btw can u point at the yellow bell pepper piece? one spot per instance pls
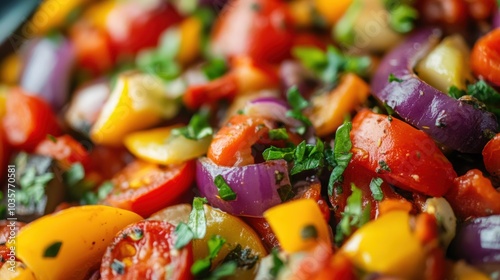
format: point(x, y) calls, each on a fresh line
point(52, 14)
point(137, 102)
point(83, 234)
point(10, 68)
point(330, 109)
point(387, 246)
point(159, 146)
point(332, 12)
point(190, 30)
point(298, 225)
point(302, 12)
point(17, 271)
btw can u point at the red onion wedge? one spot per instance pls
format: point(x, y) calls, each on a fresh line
point(456, 124)
point(478, 241)
point(496, 19)
point(256, 185)
point(47, 69)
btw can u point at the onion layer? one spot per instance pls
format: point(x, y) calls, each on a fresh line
point(256, 185)
point(456, 124)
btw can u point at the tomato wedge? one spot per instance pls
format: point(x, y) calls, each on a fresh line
point(400, 154)
point(28, 120)
point(491, 156)
point(145, 250)
point(485, 57)
point(232, 144)
point(145, 187)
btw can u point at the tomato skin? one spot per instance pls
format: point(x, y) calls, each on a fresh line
point(473, 195)
point(146, 248)
point(65, 149)
point(132, 28)
point(263, 229)
point(146, 188)
point(491, 156)
point(414, 161)
point(28, 120)
point(447, 12)
point(485, 57)
point(231, 146)
point(261, 29)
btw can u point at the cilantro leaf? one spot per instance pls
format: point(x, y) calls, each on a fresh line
point(375, 184)
point(353, 216)
point(225, 191)
point(342, 154)
point(198, 127)
point(196, 227)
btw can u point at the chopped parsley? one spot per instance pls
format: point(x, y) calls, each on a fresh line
point(286, 193)
point(402, 15)
point(375, 185)
point(393, 78)
point(341, 155)
point(225, 191)
point(278, 134)
point(304, 156)
point(214, 68)
point(74, 174)
point(330, 64)
point(455, 92)
point(309, 232)
point(242, 257)
point(198, 127)
point(201, 268)
point(91, 197)
point(483, 96)
point(298, 104)
point(278, 264)
point(52, 138)
point(32, 186)
point(354, 216)
point(383, 166)
point(52, 250)
point(196, 227)
point(390, 110)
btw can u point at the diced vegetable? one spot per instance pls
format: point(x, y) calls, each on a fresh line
point(298, 225)
point(387, 246)
point(491, 156)
point(485, 57)
point(70, 243)
point(138, 101)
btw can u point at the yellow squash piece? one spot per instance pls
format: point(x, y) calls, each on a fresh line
point(292, 222)
point(387, 246)
point(447, 65)
point(332, 12)
point(82, 234)
point(160, 146)
point(138, 101)
point(329, 110)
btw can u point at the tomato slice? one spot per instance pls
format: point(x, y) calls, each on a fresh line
point(485, 57)
point(145, 250)
point(400, 154)
point(261, 29)
point(28, 120)
point(64, 149)
point(145, 187)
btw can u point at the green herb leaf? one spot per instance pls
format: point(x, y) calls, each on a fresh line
point(286, 193)
point(456, 92)
point(393, 78)
point(225, 191)
point(244, 258)
point(383, 166)
point(298, 103)
point(184, 235)
point(198, 127)
point(91, 198)
point(32, 186)
point(214, 68)
point(309, 232)
point(52, 250)
point(402, 18)
point(278, 134)
point(52, 138)
point(197, 220)
point(74, 174)
point(273, 153)
point(202, 266)
point(353, 216)
point(277, 263)
point(377, 193)
point(342, 154)
point(224, 270)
